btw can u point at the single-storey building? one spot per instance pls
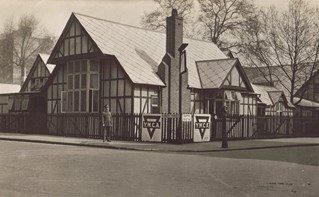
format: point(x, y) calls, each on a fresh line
point(96, 62)
point(306, 93)
point(272, 102)
point(135, 70)
point(31, 96)
point(5, 91)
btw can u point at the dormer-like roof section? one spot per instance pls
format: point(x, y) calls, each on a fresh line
point(218, 74)
point(270, 95)
point(213, 73)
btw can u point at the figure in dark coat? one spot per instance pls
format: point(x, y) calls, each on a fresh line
point(107, 123)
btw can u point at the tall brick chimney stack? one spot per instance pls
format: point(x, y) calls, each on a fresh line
point(174, 33)
point(169, 69)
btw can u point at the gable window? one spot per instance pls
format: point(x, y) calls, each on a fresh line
point(82, 94)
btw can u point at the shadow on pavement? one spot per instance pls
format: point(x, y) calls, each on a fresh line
point(307, 155)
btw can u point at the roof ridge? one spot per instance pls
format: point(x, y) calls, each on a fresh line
point(142, 28)
point(216, 60)
point(101, 19)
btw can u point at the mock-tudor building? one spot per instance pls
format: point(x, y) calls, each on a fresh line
point(135, 70)
point(306, 93)
point(272, 101)
point(31, 97)
point(5, 91)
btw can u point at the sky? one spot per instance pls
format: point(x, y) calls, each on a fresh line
point(53, 14)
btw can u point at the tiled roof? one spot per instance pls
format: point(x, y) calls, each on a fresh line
point(45, 58)
point(140, 51)
point(263, 91)
point(212, 73)
point(9, 88)
point(275, 95)
point(269, 95)
point(280, 78)
point(306, 103)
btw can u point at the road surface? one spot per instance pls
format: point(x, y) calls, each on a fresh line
point(29, 169)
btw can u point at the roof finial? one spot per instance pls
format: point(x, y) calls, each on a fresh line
point(174, 12)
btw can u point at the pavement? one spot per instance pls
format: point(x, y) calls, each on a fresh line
point(214, 146)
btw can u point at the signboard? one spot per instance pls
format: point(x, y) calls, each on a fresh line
point(152, 127)
point(187, 117)
point(202, 127)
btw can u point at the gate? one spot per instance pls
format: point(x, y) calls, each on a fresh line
point(171, 131)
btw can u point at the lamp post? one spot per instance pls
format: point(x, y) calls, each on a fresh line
point(224, 134)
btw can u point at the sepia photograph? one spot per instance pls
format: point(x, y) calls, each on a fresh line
point(121, 98)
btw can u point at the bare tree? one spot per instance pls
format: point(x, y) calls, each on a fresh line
point(223, 18)
point(155, 20)
point(27, 40)
point(6, 52)
point(284, 46)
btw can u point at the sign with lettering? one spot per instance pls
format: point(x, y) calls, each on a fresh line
point(152, 127)
point(202, 127)
point(187, 117)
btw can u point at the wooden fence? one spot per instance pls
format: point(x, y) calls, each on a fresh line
point(125, 126)
point(245, 127)
point(171, 131)
point(128, 126)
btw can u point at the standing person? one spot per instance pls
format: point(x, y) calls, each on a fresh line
point(107, 123)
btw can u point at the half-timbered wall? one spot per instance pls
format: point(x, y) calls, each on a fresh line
point(146, 99)
point(237, 103)
point(279, 109)
point(116, 88)
point(55, 90)
point(75, 42)
point(37, 78)
point(248, 104)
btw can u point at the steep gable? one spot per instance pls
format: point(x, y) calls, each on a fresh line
point(74, 40)
point(38, 75)
point(222, 73)
point(235, 79)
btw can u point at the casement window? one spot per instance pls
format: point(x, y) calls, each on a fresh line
point(82, 94)
point(155, 104)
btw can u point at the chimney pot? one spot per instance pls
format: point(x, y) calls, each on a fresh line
point(174, 12)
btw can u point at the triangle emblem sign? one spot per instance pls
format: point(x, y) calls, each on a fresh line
point(151, 123)
point(202, 124)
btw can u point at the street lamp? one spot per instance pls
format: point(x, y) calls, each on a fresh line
point(224, 134)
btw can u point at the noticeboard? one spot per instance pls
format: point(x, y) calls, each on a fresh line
point(187, 117)
point(152, 127)
point(202, 124)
